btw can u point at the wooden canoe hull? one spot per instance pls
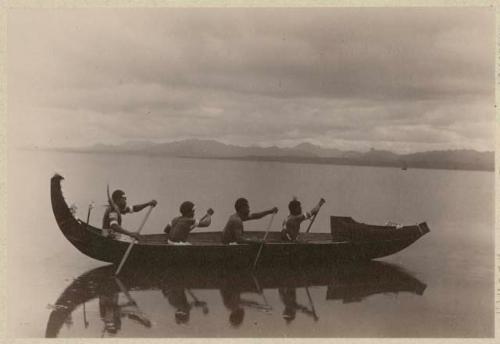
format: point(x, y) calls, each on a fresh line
point(207, 248)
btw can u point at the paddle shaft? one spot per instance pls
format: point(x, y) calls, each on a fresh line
point(125, 256)
point(264, 241)
point(311, 304)
point(321, 202)
point(88, 215)
point(259, 289)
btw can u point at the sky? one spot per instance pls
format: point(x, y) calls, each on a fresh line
point(401, 79)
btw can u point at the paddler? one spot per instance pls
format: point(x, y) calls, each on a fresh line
point(180, 227)
point(233, 231)
point(112, 219)
point(291, 225)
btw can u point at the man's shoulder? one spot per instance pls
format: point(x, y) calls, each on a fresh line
point(299, 217)
point(127, 210)
point(109, 209)
point(234, 219)
point(182, 220)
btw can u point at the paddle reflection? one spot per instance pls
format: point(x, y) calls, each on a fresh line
point(289, 298)
point(239, 292)
point(177, 298)
point(112, 310)
point(231, 291)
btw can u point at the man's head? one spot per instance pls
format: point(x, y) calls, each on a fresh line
point(242, 207)
point(236, 317)
point(295, 207)
point(187, 209)
point(119, 198)
point(289, 314)
point(181, 316)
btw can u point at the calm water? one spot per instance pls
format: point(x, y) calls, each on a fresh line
point(441, 286)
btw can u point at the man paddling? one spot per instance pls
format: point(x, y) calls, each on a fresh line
point(180, 227)
point(112, 219)
point(291, 225)
point(233, 231)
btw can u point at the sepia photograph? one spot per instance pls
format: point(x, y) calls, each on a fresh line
point(232, 171)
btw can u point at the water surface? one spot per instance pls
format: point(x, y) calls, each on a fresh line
point(447, 288)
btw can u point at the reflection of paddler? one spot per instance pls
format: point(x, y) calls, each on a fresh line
point(176, 296)
point(289, 298)
point(110, 312)
point(231, 297)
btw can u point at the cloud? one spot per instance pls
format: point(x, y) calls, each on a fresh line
point(371, 75)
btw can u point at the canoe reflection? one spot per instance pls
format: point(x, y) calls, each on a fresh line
point(239, 290)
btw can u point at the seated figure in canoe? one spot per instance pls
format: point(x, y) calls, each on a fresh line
point(233, 231)
point(178, 230)
point(291, 225)
point(112, 219)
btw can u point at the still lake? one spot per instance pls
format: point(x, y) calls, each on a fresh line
point(441, 286)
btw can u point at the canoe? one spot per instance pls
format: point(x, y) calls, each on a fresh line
point(343, 283)
point(348, 240)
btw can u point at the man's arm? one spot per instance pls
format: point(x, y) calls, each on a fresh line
point(205, 220)
point(255, 216)
point(240, 239)
point(117, 228)
point(139, 207)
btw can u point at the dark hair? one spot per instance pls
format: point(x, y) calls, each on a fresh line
point(236, 317)
point(117, 194)
point(181, 317)
point(240, 203)
point(186, 208)
point(289, 314)
point(294, 207)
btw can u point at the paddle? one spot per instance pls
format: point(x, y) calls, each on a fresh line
point(316, 318)
point(198, 303)
point(91, 206)
point(209, 213)
point(85, 322)
point(321, 202)
point(264, 241)
point(125, 256)
point(138, 315)
point(260, 291)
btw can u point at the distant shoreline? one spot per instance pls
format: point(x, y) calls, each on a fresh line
point(431, 165)
point(347, 162)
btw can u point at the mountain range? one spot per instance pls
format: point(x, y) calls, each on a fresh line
point(465, 159)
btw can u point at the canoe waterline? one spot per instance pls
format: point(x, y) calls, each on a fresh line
point(207, 248)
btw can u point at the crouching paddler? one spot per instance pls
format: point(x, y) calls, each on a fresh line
point(180, 227)
point(112, 219)
point(233, 231)
point(291, 225)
